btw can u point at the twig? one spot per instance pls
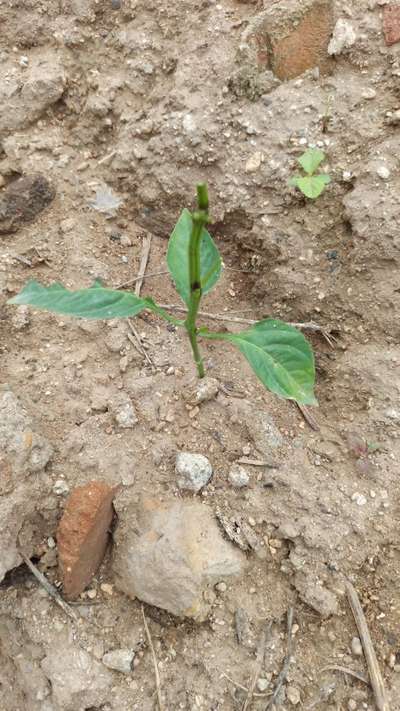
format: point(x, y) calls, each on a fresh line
point(139, 344)
point(243, 688)
point(308, 417)
point(257, 463)
point(377, 682)
point(143, 262)
point(138, 278)
point(106, 158)
point(50, 589)
point(286, 662)
point(23, 260)
point(345, 670)
point(259, 663)
point(153, 654)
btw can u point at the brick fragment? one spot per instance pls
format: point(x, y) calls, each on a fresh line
point(82, 534)
point(391, 23)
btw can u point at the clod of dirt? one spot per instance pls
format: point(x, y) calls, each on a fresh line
point(193, 470)
point(82, 534)
point(167, 554)
point(78, 681)
point(23, 201)
point(22, 452)
point(391, 23)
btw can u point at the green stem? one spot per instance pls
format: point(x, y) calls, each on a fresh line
point(199, 220)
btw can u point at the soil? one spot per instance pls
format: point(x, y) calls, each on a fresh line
point(148, 99)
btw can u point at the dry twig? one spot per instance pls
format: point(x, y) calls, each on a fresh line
point(138, 278)
point(308, 417)
point(153, 654)
point(258, 463)
point(50, 589)
point(139, 344)
point(345, 670)
point(143, 262)
point(286, 662)
point(259, 663)
point(374, 671)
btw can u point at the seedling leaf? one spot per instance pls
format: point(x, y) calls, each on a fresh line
point(311, 159)
point(178, 258)
point(93, 303)
point(281, 358)
point(312, 185)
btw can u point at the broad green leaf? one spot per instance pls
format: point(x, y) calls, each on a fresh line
point(178, 258)
point(311, 159)
point(280, 356)
point(93, 303)
point(313, 185)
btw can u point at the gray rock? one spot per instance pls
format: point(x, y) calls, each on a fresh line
point(238, 476)
point(119, 660)
point(78, 680)
point(22, 452)
point(193, 470)
point(170, 554)
point(343, 37)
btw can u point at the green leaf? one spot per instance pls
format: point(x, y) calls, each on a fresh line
point(311, 159)
point(178, 258)
point(280, 356)
point(313, 185)
point(93, 303)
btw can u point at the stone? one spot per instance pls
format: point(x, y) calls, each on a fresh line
point(23, 200)
point(238, 476)
point(356, 647)
point(60, 487)
point(124, 414)
point(193, 470)
point(293, 695)
point(21, 318)
point(119, 660)
point(289, 37)
point(262, 684)
point(25, 97)
point(343, 37)
point(391, 23)
point(383, 172)
point(23, 452)
point(82, 534)
point(169, 554)
point(78, 680)
point(206, 389)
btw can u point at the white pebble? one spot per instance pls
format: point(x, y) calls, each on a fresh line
point(356, 647)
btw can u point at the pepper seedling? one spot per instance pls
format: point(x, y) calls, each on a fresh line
point(311, 184)
point(278, 353)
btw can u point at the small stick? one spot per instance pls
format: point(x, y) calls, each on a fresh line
point(257, 463)
point(50, 589)
point(143, 262)
point(345, 670)
point(375, 675)
point(153, 654)
point(106, 158)
point(286, 662)
point(308, 417)
point(243, 688)
point(259, 662)
point(140, 346)
point(138, 278)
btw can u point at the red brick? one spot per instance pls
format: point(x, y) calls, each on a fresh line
point(391, 23)
point(83, 533)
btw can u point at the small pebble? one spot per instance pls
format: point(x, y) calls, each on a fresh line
point(238, 476)
point(359, 499)
point(119, 660)
point(293, 695)
point(91, 594)
point(221, 587)
point(262, 684)
point(352, 705)
point(383, 172)
point(51, 542)
point(107, 588)
point(356, 647)
point(60, 487)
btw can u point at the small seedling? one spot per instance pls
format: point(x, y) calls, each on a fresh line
point(278, 353)
point(311, 184)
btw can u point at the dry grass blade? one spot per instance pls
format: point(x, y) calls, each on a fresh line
point(143, 262)
point(308, 417)
point(50, 589)
point(377, 682)
point(153, 654)
point(138, 278)
point(258, 463)
point(138, 344)
point(259, 663)
point(345, 670)
point(286, 662)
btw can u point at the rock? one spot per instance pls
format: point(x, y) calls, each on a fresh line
point(119, 660)
point(289, 37)
point(343, 37)
point(293, 695)
point(82, 534)
point(317, 596)
point(21, 318)
point(356, 647)
point(61, 487)
point(391, 23)
point(78, 681)
point(22, 452)
point(23, 200)
point(24, 98)
point(262, 684)
point(206, 389)
point(124, 413)
point(383, 172)
point(194, 471)
point(169, 554)
point(254, 162)
point(238, 476)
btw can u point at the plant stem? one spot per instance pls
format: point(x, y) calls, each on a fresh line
point(199, 220)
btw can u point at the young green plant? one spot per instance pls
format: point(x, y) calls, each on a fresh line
point(311, 184)
point(278, 353)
